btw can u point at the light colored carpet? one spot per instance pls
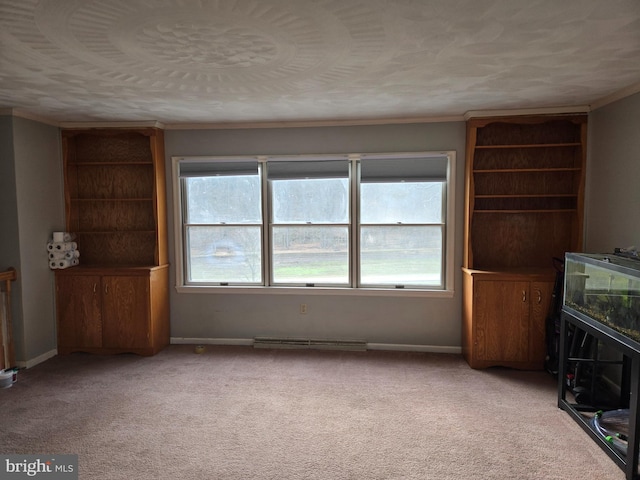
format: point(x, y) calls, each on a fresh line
point(240, 413)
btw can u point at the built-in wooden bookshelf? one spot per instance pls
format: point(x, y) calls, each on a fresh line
point(117, 299)
point(524, 206)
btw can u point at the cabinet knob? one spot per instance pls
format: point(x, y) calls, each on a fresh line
point(524, 295)
point(539, 296)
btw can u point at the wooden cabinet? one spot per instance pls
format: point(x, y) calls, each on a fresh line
point(117, 299)
point(504, 319)
point(523, 206)
point(112, 310)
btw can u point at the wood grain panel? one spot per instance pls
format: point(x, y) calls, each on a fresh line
point(126, 312)
point(116, 146)
point(122, 181)
point(540, 304)
point(79, 315)
point(117, 248)
point(526, 158)
point(501, 321)
point(523, 131)
point(526, 183)
point(468, 337)
point(160, 308)
point(520, 240)
point(104, 216)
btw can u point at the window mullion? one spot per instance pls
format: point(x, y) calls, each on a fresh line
point(184, 203)
point(266, 222)
point(354, 228)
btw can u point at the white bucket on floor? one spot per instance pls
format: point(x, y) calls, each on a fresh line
point(8, 378)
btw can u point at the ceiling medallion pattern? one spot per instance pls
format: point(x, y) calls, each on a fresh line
point(216, 47)
point(197, 57)
point(207, 46)
point(286, 60)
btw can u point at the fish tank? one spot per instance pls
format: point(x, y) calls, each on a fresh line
point(605, 288)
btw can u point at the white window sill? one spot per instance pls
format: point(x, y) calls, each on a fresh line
point(355, 292)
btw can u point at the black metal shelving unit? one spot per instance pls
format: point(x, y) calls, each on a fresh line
point(630, 394)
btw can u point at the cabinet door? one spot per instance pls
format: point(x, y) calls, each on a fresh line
point(79, 311)
point(540, 303)
point(502, 321)
point(125, 305)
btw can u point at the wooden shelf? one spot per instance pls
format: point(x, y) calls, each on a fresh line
point(112, 232)
point(104, 163)
point(534, 145)
point(549, 210)
point(524, 206)
point(527, 170)
point(142, 199)
point(533, 195)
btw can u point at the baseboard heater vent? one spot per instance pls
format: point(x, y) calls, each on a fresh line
point(300, 343)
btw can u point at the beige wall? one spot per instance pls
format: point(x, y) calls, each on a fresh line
point(34, 207)
point(613, 177)
point(376, 319)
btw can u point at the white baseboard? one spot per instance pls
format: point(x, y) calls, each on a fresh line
point(399, 347)
point(211, 341)
point(370, 346)
point(39, 359)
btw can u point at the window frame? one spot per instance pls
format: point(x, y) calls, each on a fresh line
point(240, 166)
point(448, 246)
point(302, 172)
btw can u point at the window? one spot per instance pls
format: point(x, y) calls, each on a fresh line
point(369, 221)
point(402, 203)
point(222, 221)
point(309, 222)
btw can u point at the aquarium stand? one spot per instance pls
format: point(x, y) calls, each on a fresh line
point(630, 350)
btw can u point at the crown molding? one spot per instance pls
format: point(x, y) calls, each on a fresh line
point(569, 110)
point(311, 123)
point(16, 112)
point(81, 125)
point(614, 97)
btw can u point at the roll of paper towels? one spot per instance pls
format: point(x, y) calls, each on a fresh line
point(60, 237)
point(71, 254)
point(64, 263)
point(62, 246)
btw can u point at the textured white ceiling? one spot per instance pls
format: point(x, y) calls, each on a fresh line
point(190, 61)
